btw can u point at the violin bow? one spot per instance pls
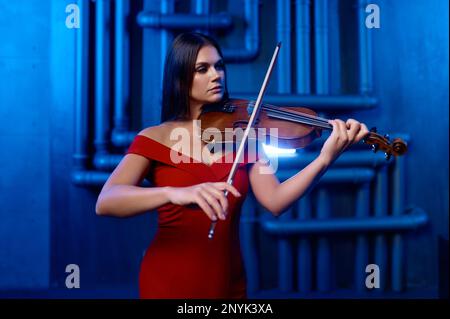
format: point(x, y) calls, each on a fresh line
point(253, 118)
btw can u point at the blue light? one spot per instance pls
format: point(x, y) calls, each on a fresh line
point(272, 151)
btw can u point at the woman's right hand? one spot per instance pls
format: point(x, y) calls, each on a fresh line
point(209, 196)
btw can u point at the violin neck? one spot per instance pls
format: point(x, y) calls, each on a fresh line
point(307, 119)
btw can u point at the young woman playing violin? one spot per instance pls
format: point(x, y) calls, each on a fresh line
point(181, 261)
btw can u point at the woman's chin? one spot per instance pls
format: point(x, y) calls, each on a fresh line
point(214, 99)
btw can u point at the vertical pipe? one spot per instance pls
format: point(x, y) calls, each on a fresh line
point(200, 7)
point(303, 59)
point(365, 51)
point(152, 61)
point(82, 87)
point(248, 235)
point(362, 243)
point(286, 260)
point(167, 6)
point(251, 13)
point(122, 66)
point(397, 240)
point(381, 207)
point(323, 244)
point(102, 17)
point(321, 45)
point(335, 48)
point(304, 249)
point(284, 35)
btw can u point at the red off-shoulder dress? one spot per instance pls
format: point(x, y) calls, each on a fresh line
point(181, 262)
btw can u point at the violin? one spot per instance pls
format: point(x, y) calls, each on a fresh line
point(297, 127)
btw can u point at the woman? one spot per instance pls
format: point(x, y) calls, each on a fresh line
point(182, 262)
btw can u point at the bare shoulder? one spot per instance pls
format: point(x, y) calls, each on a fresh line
point(159, 133)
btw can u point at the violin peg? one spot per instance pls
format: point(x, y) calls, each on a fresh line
point(386, 136)
point(387, 156)
point(373, 129)
point(375, 148)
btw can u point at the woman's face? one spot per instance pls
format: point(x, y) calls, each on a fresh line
point(209, 77)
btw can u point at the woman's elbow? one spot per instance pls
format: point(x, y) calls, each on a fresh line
point(274, 210)
point(100, 209)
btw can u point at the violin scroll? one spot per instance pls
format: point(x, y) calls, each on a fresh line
point(397, 147)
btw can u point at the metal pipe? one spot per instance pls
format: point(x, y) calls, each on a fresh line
point(317, 102)
point(167, 8)
point(343, 226)
point(94, 178)
point(122, 67)
point(252, 45)
point(80, 155)
point(303, 31)
point(398, 263)
point(201, 7)
point(152, 70)
point(294, 163)
point(184, 21)
point(381, 208)
point(362, 243)
point(89, 178)
point(286, 261)
point(323, 275)
point(102, 16)
point(284, 31)
point(365, 51)
point(335, 47)
point(321, 45)
point(336, 176)
point(304, 258)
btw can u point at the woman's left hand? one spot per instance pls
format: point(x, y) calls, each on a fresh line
point(344, 134)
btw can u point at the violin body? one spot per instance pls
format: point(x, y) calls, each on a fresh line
point(296, 127)
point(236, 113)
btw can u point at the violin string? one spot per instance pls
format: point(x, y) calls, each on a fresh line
point(275, 108)
point(305, 115)
point(286, 115)
point(298, 119)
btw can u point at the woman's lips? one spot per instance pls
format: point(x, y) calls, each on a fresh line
point(216, 90)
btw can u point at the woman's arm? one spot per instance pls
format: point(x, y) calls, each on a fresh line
point(121, 197)
point(276, 196)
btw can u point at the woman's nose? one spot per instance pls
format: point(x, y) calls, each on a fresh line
point(215, 74)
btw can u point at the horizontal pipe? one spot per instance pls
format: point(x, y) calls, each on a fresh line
point(184, 21)
point(317, 102)
point(252, 45)
point(415, 219)
point(94, 178)
point(106, 162)
point(123, 139)
point(336, 175)
point(80, 155)
point(351, 158)
point(89, 178)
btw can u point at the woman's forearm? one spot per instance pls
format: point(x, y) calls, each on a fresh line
point(298, 185)
point(128, 200)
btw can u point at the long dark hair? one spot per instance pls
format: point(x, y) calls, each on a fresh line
point(179, 72)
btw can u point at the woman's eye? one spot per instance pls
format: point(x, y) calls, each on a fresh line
point(201, 70)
